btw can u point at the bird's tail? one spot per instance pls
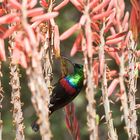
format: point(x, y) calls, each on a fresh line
point(35, 124)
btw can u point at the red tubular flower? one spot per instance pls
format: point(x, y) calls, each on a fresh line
point(61, 5)
point(77, 45)
point(9, 31)
point(9, 18)
point(113, 54)
point(101, 6)
point(44, 17)
point(93, 3)
point(56, 41)
point(102, 15)
point(112, 86)
point(125, 20)
point(2, 30)
point(31, 3)
point(114, 39)
point(35, 12)
point(2, 10)
point(15, 4)
point(77, 4)
point(72, 122)
point(44, 4)
point(110, 20)
point(70, 31)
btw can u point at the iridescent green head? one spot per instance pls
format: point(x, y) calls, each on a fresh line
point(78, 68)
point(76, 78)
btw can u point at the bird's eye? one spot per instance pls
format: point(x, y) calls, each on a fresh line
point(78, 66)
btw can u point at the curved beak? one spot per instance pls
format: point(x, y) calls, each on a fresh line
point(73, 64)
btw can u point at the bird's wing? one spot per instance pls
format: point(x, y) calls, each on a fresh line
point(58, 98)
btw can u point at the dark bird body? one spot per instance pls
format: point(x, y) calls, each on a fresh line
point(65, 90)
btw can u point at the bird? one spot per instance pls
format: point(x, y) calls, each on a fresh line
point(64, 91)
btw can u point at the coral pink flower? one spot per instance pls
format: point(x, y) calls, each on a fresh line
point(2, 50)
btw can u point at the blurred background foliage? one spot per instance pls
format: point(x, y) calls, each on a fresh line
point(67, 17)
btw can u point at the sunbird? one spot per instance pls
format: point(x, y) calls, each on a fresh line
point(65, 90)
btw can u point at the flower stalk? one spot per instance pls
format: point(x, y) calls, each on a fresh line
point(132, 86)
point(1, 99)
